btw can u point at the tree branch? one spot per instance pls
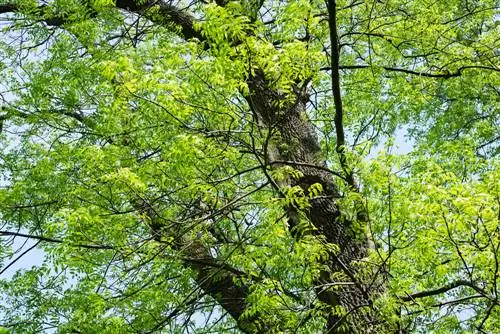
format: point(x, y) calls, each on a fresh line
point(166, 15)
point(441, 290)
point(4, 269)
point(444, 75)
point(337, 96)
point(304, 164)
point(53, 240)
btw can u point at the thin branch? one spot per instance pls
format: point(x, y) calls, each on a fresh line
point(444, 75)
point(53, 240)
point(449, 302)
point(442, 290)
point(304, 164)
point(337, 96)
point(18, 258)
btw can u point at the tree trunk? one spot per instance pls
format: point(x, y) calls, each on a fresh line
point(302, 151)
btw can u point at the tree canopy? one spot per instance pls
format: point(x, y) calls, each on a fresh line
point(253, 166)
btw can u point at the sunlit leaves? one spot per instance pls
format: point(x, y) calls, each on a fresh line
point(130, 152)
point(437, 221)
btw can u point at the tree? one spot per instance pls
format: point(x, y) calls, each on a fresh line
point(232, 166)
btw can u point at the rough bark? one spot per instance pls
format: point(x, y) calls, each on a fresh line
point(303, 152)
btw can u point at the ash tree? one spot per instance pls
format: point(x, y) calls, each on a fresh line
point(249, 166)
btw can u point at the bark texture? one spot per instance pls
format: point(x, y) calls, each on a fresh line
point(303, 152)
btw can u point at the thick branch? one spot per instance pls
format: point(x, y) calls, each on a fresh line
point(216, 277)
point(167, 15)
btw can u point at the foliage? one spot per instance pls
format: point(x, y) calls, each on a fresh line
point(146, 149)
